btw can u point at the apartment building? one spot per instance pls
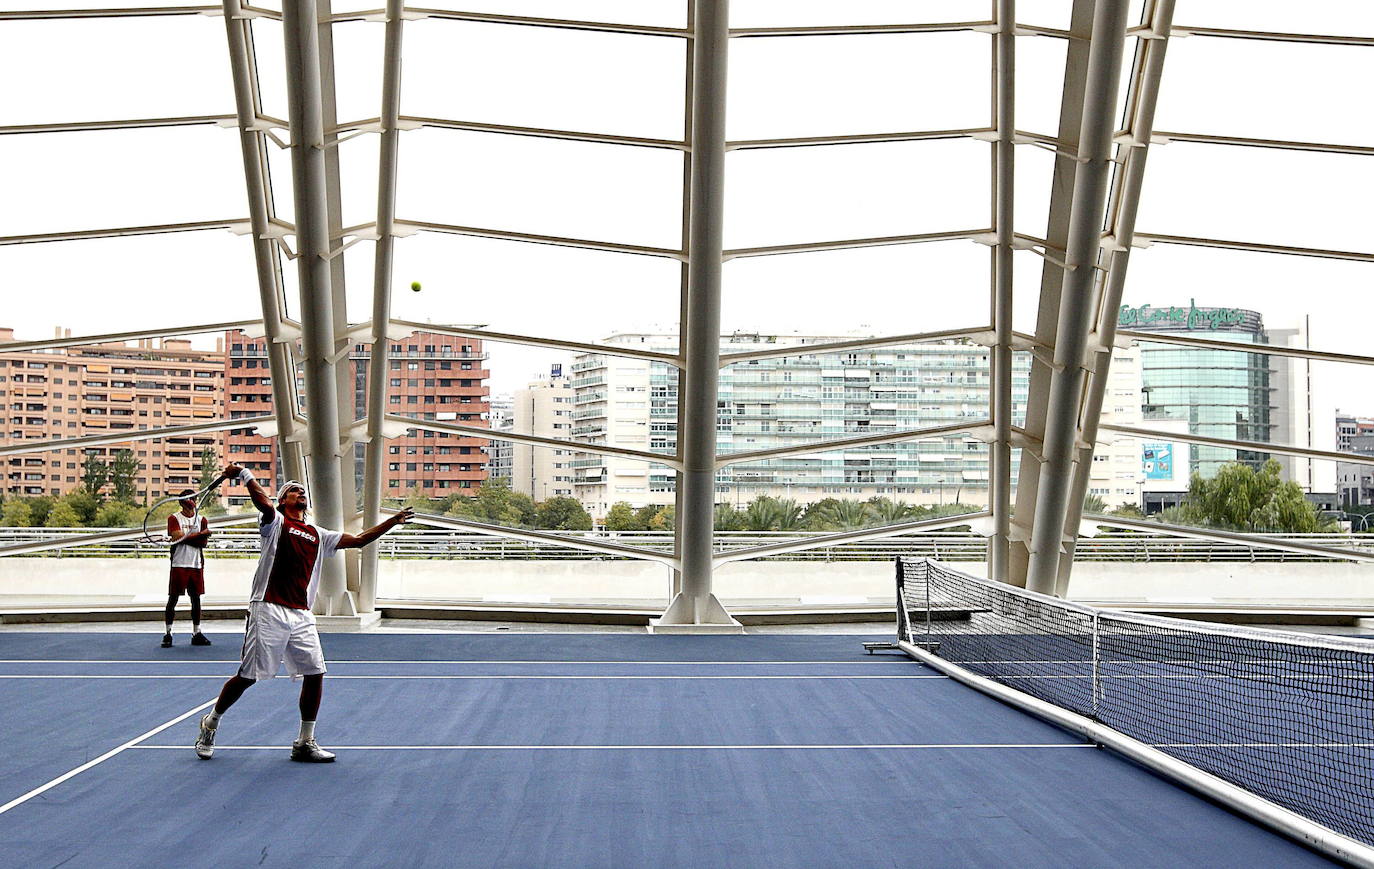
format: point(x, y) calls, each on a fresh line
point(543, 408)
point(100, 388)
point(430, 376)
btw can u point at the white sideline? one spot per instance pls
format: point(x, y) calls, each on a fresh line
point(104, 757)
point(812, 747)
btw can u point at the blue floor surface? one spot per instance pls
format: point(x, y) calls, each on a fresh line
point(517, 751)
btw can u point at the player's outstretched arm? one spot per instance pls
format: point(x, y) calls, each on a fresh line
point(255, 491)
point(357, 541)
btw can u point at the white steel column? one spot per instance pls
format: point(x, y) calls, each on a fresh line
point(695, 605)
point(1091, 178)
point(374, 451)
point(309, 185)
point(1003, 214)
point(1142, 98)
point(279, 357)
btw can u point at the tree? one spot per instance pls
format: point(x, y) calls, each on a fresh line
point(1240, 498)
point(887, 511)
point(621, 517)
point(728, 518)
point(83, 503)
point(644, 516)
point(95, 473)
point(40, 507)
point(63, 516)
point(562, 514)
point(209, 472)
point(118, 514)
point(832, 514)
point(124, 476)
point(1128, 511)
point(766, 513)
point(1094, 504)
point(663, 520)
point(496, 504)
point(16, 514)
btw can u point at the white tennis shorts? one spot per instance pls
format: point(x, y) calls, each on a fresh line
point(277, 634)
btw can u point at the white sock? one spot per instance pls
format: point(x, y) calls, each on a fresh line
point(196, 627)
point(212, 720)
point(307, 732)
point(169, 628)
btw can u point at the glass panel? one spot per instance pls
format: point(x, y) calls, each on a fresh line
point(1271, 90)
point(1326, 298)
point(108, 178)
point(122, 284)
point(833, 85)
point(124, 70)
point(591, 92)
point(855, 191)
point(1039, 81)
point(803, 13)
point(1338, 17)
point(532, 289)
point(1321, 210)
point(895, 290)
point(573, 189)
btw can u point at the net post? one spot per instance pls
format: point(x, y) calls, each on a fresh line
point(929, 638)
point(1097, 666)
point(903, 618)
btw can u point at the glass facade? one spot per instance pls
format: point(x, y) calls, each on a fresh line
point(1219, 393)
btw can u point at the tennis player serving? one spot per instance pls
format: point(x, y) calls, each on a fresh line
point(281, 627)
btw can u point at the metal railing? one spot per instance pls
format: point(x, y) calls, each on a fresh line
point(429, 543)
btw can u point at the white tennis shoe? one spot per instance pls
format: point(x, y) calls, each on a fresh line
point(205, 742)
point(310, 752)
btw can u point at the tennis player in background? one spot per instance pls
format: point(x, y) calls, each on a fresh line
point(281, 627)
point(189, 532)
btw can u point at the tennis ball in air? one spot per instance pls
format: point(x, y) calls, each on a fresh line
point(415, 286)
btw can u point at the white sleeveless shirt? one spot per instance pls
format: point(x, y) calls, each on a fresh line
point(184, 554)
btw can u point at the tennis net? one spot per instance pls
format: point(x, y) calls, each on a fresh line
point(1288, 717)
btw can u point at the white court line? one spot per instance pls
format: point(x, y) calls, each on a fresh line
point(104, 757)
point(472, 676)
point(822, 747)
point(618, 663)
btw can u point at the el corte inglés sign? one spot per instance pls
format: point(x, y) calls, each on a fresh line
point(1191, 317)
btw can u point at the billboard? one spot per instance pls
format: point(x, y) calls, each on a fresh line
point(1158, 461)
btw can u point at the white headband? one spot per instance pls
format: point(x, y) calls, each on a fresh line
point(290, 484)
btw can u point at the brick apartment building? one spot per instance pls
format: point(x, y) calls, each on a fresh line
point(98, 388)
point(438, 377)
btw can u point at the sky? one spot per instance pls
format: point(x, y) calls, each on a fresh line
point(124, 68)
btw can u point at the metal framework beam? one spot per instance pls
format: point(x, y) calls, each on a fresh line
point(1145, 239)
point(1003, 220)
point(415, 12)
point(79, 340)
point(857, 29)
point(1236, 346)
point(854, 139)
point(1228, 537)
point(267, 262)
point(887, 437)
point(132, 12)
point(89, 126)
point(536, 440)
point(1142, 97)
point(130, 435)
point(978, 334)
point(536, 132)
point(843, 537)
point(849, 244)
point(310, 188)
point(381, 296)
point(1091, 172)
point(557, 241)
point(114, 536)
point(525, 534)
point(1253, 446)
point(533, 341)
point(121, 231)
point(1164, 138)
point(695, 604)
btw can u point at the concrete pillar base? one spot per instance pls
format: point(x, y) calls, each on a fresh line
point(682, 617)
point(347, 624)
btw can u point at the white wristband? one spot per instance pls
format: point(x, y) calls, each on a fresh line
point(245, 476)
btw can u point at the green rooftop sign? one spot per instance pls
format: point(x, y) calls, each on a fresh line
point(1191, 317)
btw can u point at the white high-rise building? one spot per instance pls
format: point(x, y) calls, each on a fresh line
point(543, 408)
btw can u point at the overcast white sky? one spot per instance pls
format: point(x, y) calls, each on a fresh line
point(136, 68)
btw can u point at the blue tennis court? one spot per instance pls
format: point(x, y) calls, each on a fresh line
point(570, 750)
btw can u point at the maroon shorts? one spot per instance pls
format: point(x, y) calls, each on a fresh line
point(187, 580)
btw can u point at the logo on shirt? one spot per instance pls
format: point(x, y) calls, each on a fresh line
point(299, 533)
